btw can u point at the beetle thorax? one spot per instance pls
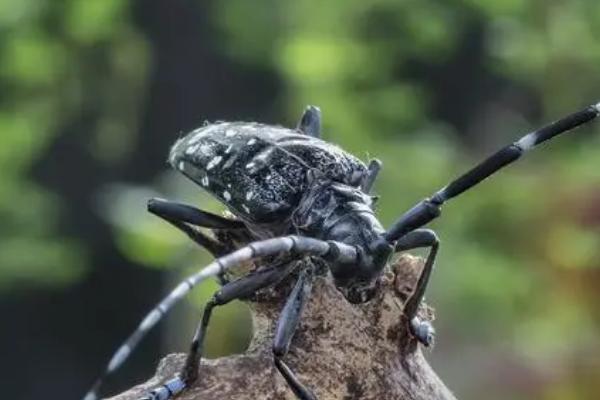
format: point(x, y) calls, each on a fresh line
point(338, 212)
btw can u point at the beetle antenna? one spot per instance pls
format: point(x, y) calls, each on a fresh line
point(429, 209)
point(296, 245)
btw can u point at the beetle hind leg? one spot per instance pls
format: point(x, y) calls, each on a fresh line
point(187, 218)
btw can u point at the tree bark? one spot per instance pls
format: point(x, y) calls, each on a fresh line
point(340, 351)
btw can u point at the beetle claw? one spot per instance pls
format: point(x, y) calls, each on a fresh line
point(423, 331)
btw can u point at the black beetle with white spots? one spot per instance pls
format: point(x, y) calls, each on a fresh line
point(294, 196)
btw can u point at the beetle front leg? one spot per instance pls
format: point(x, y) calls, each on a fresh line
point(422, 330)
point(238, 289)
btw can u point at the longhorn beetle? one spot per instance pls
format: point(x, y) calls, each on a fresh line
point(294, 195)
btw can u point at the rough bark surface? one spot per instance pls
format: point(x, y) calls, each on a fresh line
point(341, 351)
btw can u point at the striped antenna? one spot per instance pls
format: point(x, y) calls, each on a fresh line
point(270, 247)
point(429, 209)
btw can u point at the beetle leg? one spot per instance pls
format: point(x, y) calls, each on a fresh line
point(369, 179)
point(310, 122)
point(171, 210)
point(182, 216)
point(286, 327)
point(298, 246)
point(238, 289)
point(422, 330)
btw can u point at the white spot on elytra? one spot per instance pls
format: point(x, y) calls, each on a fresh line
point(204, 181)
point(191, 150)
point(205, 149)
point(265, 154)
point(214, 162)
point(226, 195)
point(251, 142)
point(249, 195)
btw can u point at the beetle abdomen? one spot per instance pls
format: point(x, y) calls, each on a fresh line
point(259, 171)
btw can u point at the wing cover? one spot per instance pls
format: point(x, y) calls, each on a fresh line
point(259, 171)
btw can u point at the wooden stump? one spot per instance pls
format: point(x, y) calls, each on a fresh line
point(340, 351)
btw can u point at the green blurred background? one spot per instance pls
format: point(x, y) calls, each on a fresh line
point(93, 92)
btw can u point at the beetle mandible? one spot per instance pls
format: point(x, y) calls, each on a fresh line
point(293, 194)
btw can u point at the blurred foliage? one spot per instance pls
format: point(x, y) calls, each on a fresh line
point(47, 51)
point(428, 87)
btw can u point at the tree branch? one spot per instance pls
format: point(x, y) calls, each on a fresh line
point(341, 351)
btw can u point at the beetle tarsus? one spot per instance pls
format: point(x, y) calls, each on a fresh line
point(423, 331)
